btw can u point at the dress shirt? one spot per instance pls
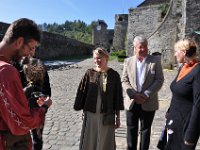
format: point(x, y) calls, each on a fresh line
point(140, 74)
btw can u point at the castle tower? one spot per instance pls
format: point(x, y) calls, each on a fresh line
point(121, 23)
point(98, 33)
point(101, 36)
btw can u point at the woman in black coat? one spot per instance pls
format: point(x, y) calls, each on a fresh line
point(99, 95)
point(183, 121)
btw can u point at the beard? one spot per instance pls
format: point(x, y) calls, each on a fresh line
point(17, 56)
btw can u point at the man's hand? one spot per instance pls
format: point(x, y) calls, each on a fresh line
point(139, 98)
point(144, 96)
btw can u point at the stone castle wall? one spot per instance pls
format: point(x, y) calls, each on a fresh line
point(164, 37)
point(56, 46)
point(141, 21)
point(101, 36)
point(192, 18)
point(121, 24)
point(181, 20)
point(160, 32)
point(3, 28)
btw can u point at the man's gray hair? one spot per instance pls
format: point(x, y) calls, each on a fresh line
point(139, 39)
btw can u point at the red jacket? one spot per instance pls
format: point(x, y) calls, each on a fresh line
point(15, 114)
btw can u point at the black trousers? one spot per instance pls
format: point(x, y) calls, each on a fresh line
point(134, 116)
point(37, 138)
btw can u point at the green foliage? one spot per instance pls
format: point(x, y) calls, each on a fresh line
point(112, 58)
point(76, 29)
point(121, 55)
point(120, 59)
point(83, 37)
point(163, 8)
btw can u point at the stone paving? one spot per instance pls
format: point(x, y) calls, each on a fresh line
point(63, 124)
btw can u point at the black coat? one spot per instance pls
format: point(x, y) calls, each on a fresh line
point(184, 114)
point(86, 97)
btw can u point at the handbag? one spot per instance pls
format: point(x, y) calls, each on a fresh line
point(109, 119)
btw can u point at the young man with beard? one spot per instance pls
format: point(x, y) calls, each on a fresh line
point(16, 118)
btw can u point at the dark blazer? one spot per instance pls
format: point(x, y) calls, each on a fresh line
point(86, 97)
point(152, 81)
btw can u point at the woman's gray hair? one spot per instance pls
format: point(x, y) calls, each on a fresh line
point(139, 39)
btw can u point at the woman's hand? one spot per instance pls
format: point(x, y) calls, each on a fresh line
point(188, 143)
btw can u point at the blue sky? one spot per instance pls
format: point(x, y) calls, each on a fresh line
point(59, 11)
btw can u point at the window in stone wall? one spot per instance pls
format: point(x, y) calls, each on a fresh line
point(120, 19)
point(110, 41)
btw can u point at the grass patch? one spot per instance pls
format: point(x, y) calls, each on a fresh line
point(112, 58)
point(120, 55)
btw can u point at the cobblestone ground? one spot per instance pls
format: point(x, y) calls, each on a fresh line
point(63, 124)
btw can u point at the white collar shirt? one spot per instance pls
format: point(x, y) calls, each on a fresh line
point(140, 74)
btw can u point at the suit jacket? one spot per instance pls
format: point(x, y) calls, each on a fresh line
point(152, 81)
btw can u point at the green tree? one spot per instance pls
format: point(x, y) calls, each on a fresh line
point(76, 29)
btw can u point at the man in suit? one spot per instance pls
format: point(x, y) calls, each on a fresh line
point(141, 80)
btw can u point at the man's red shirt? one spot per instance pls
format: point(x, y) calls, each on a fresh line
point(15, 114)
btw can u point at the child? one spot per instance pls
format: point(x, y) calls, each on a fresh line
point(34, 72)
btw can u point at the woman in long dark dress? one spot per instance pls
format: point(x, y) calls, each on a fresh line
point(183, 121)
point(100, 96)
